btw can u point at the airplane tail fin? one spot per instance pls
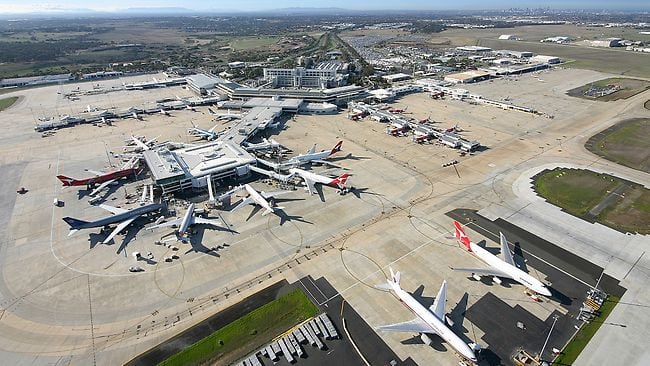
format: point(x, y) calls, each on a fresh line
point(336, 148)
point(461, 236)
point(394, 276)
point(67, 181)
point(75, 224)
point(341, 180)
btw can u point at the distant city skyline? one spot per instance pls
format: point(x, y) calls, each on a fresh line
point(13, 6)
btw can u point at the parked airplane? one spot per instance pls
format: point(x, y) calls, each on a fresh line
point(397, 110)
point(427, 321)
point(397, 129)
point(129, 168)
point(314, 157)
point(259, 198)
point(310, 157)
point(454, 128)
point(311, 179)
point(505, 267)
point(203, 134)
point(284, 178)
point(185, 222)
point(122, 217)
point(141, 144)
point(224, 116)
point(264, 145)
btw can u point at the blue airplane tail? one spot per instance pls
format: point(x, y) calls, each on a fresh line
point(75, 224)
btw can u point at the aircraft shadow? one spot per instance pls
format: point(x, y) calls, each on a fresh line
point(426, 301)
point(196, 243)
point(284, 217)
point(437, 343)
point(519, 258)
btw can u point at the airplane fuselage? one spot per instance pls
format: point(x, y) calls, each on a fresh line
point(98, 179)
point(258, 198)
point(122, 216)
point(437, 325)
point(187, 221)
point(512, 271)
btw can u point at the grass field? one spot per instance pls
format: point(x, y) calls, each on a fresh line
point(7, 102)
point(576, 191)
point(581, 192)
point(628, 88)
point(243, 335)
point(249, 43)
point(626, 143)
point(572, 350)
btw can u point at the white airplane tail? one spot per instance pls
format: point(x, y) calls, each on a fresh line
point(390, 282)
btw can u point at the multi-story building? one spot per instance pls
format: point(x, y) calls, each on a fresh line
point(301, 77)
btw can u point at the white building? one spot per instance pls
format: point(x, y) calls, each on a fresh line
point(545, 59)
point(301, 77)
point(508, 37)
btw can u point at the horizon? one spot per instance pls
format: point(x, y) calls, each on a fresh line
point(251, 6)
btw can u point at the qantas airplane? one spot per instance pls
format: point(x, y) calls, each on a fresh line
point(311, 179)
point(184, 223)
point(427, 321)
point(505, 268)
point(104, 179)
point(314, 157)
point(259, 198)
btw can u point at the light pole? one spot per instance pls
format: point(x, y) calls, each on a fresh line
point(555, 317)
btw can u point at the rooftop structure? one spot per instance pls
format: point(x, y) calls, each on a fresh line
point(609, 42)
point(473, 49)
point(396, 77)
point(515, 54)
point(208, 84)
point(338, 96)
point(558, 39)
point(36, 80)
point(469, 76)
point(508, 37)
point(545, 59)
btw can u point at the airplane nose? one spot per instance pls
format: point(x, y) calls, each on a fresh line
point(545, 291)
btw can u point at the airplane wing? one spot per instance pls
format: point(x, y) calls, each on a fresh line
point(483, 271)
point(438, 307)
point(202, 221)
point(416, 325)
point(166, 224)
point(113, 210)
point(95, 172)
point(119, 228)
point(268, 195)
point(310, 185)
point(101, 186)
point(244, 202)
point(140, 144)
point(325, 162)
point(505, 250)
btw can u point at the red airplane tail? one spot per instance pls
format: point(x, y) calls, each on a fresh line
point(67, 181)
point(461, 236)
point(340, 181)
point(336, 148)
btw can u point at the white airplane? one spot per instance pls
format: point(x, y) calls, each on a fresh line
point(184, 223)
point(505, 268)
point(427, 321)
point(224, 116)
point(311, 179)
point(284, 178)
point(203, 134)
point(259, 198)
point(264, 145)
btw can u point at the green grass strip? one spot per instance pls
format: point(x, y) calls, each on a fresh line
point(7, 102)
point(572, 350)
point(251, 330)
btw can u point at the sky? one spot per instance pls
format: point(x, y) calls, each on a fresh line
point(13, 6)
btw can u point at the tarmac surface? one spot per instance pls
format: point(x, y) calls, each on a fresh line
point(71, 300)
